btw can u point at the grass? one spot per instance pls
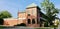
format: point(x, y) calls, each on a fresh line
point(2, 27)
point(44, 28)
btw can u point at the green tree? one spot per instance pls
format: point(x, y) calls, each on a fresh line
point(5, 14)
point(50, 10)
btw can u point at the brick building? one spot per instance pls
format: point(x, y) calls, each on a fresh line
point(30, 18)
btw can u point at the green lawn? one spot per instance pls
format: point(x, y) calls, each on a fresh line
point(1, 27)
point(5, 26)
point(45, 28)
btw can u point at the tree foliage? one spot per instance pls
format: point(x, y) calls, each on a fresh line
point(49, 7)
point(5, 14)
point(50, 10)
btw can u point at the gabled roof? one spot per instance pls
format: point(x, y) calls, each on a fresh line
point(32, 5)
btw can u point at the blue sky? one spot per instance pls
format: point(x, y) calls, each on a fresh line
point(13, 5)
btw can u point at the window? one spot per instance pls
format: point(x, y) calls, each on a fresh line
point(28, 14)
point(29, 21)
point(33, 21)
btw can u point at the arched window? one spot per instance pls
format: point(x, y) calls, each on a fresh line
point(29, 21)
point(33, 21)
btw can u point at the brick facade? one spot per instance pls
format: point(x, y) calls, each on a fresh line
point(31, 17)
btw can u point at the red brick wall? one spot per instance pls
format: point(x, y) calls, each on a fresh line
point(10, 22)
